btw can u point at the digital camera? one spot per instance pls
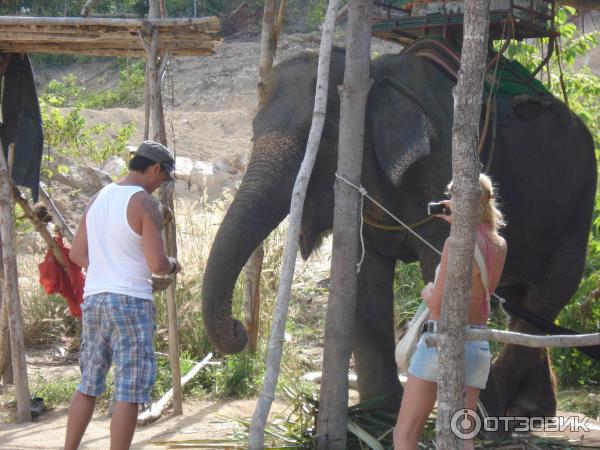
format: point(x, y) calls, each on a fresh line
point(437, 208)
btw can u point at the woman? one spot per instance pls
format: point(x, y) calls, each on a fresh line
point(420, 391)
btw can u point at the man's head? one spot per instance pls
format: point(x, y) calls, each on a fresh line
point(150, 153)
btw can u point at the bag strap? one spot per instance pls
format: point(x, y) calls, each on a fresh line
point(484, 274)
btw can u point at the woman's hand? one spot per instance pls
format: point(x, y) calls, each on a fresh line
point(427, 292)
point(447, 217)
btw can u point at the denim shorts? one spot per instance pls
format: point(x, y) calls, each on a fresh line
point(424, 362)
point(118, 328)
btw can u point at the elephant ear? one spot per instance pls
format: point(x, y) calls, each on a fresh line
point(402, 131)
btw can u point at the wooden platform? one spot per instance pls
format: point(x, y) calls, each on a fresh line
point(107, 36)
point(515, 22)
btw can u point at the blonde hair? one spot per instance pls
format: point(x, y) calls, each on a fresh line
point(489, 212)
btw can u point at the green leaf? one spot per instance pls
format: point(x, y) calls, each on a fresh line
point(364, 436)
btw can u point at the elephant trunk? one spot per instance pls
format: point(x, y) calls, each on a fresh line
point(261, 203)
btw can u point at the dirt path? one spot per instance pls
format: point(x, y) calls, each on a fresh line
point(201, 420)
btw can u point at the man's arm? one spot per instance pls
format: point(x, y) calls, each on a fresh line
point(152, 240)
point(79, 249)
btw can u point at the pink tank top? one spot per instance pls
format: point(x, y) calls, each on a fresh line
point(483, 228)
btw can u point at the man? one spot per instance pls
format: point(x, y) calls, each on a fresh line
point(119, 242)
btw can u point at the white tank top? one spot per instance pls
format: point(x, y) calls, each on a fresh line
point(117, 261)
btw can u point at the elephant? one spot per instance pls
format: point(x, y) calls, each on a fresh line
point(543, 165)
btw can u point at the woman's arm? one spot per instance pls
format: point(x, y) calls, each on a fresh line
point(433, 293)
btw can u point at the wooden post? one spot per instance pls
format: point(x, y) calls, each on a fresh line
point(333, 406)
point(11, 295)
point(252, 297)
point(4, 337)
point(154, 69)
point(259, 419)
point(466, 193)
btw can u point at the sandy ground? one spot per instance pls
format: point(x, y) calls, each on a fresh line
point(200, 420)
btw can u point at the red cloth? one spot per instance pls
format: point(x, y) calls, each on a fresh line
point(55, 280)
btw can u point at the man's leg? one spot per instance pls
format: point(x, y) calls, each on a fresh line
point(80, 413)
point(122, 425)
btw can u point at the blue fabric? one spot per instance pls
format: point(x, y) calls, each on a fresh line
point(118, 328)
point(424, 362)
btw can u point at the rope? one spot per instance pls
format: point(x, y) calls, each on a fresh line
point(364, 194)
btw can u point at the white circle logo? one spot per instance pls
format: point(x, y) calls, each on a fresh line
point(465, 423)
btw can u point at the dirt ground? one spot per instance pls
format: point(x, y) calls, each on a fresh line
point(200, 420)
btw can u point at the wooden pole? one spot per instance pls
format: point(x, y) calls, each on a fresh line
point(4, 337)
point(153, 69)
point(256, 435)
point(465, 213)
point(11, 295)
point(527, 340)
point(333, 405)
point(57, 217)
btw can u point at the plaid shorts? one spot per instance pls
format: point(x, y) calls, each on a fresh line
point(120, 328)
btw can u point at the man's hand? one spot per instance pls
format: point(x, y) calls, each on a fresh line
point(175, 266)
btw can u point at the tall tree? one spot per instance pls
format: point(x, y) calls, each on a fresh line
point(257, 429)
point(466, 192)
point(333, 405)
point(271, 28)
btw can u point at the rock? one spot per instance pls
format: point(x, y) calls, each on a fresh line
point(115, 166)
point(200, 173)
point(94, 178)
point(182, 187)
point(183, 168)
point(223, 165)
point(88, 179)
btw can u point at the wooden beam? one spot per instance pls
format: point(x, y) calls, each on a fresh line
point(211, 23)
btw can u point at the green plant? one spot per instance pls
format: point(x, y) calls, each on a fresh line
point(129, 91)
point(62, 93)
point(67, 134)
point(54, 392)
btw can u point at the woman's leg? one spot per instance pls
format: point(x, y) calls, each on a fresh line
point(417, 402)
point(471, 397)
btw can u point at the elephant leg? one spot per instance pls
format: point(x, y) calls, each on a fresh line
point(524, 375)
point(373, 333)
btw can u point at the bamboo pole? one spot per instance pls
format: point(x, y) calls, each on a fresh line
point(526, 340)
point(259, 419)
point(153, 72)
point(156, 409)
point(11, 295)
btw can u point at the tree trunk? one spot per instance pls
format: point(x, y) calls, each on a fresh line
point(267, 52)
point(333, 405)
point(11, 296)
point(271, 27)
point(257, 428)
point(87, 8)
point(466, 193)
